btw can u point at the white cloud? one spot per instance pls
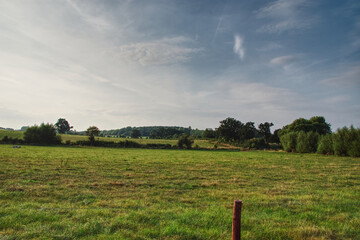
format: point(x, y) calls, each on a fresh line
point(283, 60)
point(159, 52)
point(238, 46)
point(285, 15)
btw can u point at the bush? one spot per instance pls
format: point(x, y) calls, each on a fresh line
point(258, 143)
point(10, 140)
point(45, 134)
point(288, 141)
point(325, 145)
point(306, 142)
point(346, 142)
point(185, 141)
point(340, 141)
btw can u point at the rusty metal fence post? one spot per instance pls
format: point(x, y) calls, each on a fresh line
point(236, 227)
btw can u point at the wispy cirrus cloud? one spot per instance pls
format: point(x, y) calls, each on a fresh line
point(283, 60)
point(284, 15)
point(238, 46)
point(348, 77)
point(158, 52)
point(91, 14)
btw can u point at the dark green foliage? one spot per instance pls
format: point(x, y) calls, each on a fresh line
point(45, 134)
point(229, 129)
point(320, 125)
point(264, 130)
point(325, 145)
point(340, 141)
point(23, 128)
point(346, 142)
point(122, 144)
point(275, 136)
point(315, 124)
point(185, 141)
point(5, 139)
point(209, 133)
point(306, 142)
point(154, 132)
point(135, 133)
point(62, 126)
point(248, 131)
point(196, 133)
point(258, 143)
point(92, 132)
point(288, 141)
point(354, 142)
point(10, 140)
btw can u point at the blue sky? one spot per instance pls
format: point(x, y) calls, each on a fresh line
point(186, 63)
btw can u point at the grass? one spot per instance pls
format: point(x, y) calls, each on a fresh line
point(104, 193)
point(12, 134)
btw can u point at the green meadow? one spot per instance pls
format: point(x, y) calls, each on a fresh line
point(105, 193)
point(12, 134)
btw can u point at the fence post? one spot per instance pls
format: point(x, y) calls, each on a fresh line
point(236, 227)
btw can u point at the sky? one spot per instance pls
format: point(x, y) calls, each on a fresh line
point(185, 63)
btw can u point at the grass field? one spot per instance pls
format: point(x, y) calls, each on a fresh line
point(12, 134)
point(104, 193)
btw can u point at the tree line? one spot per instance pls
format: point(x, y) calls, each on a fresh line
point(302, 135)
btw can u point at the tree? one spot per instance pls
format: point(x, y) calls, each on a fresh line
point(62, 126)
point(229, 129)
point(92, 132)
point(44, 134)
point(275, 136)
point(320, 125)
point(135, 133)
point(247, 131)
point(264, 130)
point(209, 133)
point(315, 124)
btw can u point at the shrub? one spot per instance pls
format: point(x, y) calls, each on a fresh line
point(307, 142)
point(325, 145)
point(354, 142)
point(45, 134)
point(302, 145)
point(258, 143)
point(340, 141)
point(185, 141)
point(288, 141)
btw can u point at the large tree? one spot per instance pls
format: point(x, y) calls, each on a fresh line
point(264, 130)
point(248, 131)
point(230, 129)
point(314, 124)
point(92, 132)
point(62, 126)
